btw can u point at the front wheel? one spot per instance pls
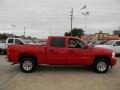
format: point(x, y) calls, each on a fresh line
point(101, 65)
point(27, 65)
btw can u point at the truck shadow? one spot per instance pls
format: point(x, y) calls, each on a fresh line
point(59, 69)
point(64, 69)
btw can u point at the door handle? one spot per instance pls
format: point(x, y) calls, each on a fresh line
point(71, 51)
point(51, 50)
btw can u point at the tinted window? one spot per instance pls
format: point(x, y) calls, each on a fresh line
point(10, 41)
point(58, 42)
point(17, 41)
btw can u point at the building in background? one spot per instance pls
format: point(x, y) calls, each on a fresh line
point(99, 36)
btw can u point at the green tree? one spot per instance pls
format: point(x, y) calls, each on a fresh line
point(3, 36)
point(67, 34)
point(116, 32)
point(75, 32)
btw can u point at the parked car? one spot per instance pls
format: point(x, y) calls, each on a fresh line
point(10, 41)
point(61, 50)
point(91, 43)
point(112, 45)
point(2, 47)
point(97, 42)
point(101, 42)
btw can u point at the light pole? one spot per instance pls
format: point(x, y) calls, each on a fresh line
point(13, 26)
point(24, 31)
point(85, 20)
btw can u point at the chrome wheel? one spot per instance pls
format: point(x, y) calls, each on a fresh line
point(101, 66)
point(27, 65)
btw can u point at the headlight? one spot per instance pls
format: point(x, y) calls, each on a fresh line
point(113, 54)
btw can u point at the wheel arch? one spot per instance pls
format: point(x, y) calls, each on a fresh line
point(102, 56)
point(28, 55)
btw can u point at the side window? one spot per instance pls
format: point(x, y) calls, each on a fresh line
point(10, 40)
point(117, 43)
point(17, 41)
point(75, 43)
point(58, 42)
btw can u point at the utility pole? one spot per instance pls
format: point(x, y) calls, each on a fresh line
point(13, 26)
point(71, 19)
point(50, 33)
point(24, 31)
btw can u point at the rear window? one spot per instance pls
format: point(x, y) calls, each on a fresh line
point(58, 42)
point(10, 40)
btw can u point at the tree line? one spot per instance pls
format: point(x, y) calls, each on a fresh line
point(74, 32)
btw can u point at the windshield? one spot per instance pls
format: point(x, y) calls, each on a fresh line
point(109, 43)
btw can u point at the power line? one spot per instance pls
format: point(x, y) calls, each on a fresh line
point(4, 29)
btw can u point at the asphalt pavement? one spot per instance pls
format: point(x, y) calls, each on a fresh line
point(57, 78)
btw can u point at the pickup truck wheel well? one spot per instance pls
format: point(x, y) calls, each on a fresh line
point(103, 57)
point(28, 56)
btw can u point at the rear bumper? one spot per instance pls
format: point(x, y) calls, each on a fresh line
point(12, 61)
point(113, 61)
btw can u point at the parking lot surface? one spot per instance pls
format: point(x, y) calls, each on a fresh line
point(57, 78)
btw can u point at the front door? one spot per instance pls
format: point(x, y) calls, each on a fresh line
point(77, 53)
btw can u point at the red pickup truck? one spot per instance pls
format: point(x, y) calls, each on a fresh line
point(61, 50)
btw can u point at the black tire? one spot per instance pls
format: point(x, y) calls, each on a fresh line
point(28, 65)
point(101, 65)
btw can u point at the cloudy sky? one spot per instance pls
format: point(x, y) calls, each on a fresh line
point(40, 17)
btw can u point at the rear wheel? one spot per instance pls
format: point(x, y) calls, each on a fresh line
point(101, 65)
point(27, 65)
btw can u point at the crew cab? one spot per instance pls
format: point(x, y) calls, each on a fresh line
point(61, 50)
point(10, 41)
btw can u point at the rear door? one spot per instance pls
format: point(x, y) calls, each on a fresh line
point(56, 51)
